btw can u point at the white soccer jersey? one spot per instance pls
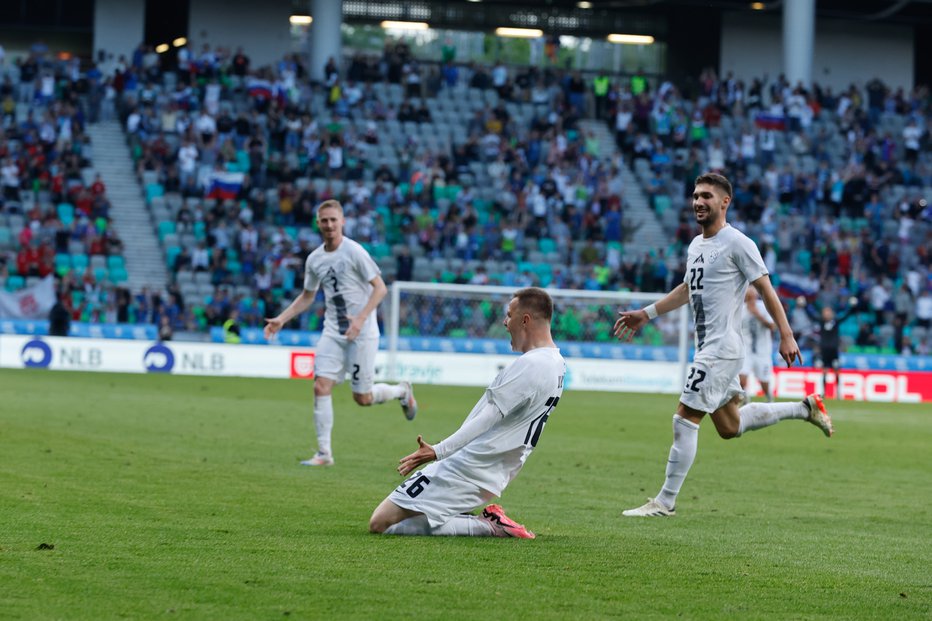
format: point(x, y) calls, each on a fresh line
point(758, 340)
point(526, 391)
point(718, 270)
point(344, 274)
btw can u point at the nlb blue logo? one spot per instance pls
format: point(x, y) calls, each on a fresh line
point(36, 354)
point(158, 359)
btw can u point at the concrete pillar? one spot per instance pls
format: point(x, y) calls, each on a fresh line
point(798, 40)
point(119, 27)
point(324, 35)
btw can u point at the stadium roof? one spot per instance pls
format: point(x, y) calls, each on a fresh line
point(896, 11)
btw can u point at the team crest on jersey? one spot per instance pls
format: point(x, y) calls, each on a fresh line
point(713, 256)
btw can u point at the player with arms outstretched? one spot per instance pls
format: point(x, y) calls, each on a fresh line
point(353, 288)
point(721, 262)
point(477, 462)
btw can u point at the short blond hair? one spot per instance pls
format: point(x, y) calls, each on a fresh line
point(330, 204)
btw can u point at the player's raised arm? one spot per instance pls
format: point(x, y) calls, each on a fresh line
point(630, 322)
point(789, 350)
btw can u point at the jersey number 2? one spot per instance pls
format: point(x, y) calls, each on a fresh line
point(696, 376)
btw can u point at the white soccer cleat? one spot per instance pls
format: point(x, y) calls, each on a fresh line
point(652, 508)
point(818, 415)
point(408, 402)
point(319, 459)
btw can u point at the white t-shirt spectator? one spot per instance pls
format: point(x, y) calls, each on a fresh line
point(911, 135)
point(10, 174)
point(187, 158)
point(924, 307)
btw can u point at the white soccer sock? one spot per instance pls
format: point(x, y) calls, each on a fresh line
point(759, 415)
point(323, 421)
point(383, 392)
point(682, 454)
point(458, 525)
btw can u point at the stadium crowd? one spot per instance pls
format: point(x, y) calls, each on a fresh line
point(464, 173)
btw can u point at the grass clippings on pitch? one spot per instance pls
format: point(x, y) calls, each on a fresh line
point(145, 497)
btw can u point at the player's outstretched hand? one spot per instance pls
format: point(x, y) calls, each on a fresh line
point(272, 326)
point(628, 323)
point(789, 351)
point(424, 454)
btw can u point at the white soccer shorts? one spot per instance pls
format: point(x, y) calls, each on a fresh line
point(758, 365)
point(336, 359)
point(762, 368)
point(711, 383)
point(439, 494)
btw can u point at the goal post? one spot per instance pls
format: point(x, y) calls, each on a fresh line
point(452, 319)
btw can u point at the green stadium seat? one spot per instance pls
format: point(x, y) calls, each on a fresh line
point(116, 262)
point(153, 190)
point(171, 253)
point(65, 213)
point(118, 275)
point(166, 227)
point(546, 245)
point(101, 274)
point(79, 262)
point(15, 282)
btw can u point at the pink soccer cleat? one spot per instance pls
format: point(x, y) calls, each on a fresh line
point(496, 516)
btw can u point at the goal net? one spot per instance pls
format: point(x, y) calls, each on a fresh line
point(452, 319)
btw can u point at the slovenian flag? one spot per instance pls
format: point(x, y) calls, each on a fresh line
point(792, 286)
point(770, 121)
point(225, 185)
point(260, 89)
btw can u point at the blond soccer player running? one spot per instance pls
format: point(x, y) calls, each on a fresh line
point(353, 288)
point(476, 463)
point(721, 262)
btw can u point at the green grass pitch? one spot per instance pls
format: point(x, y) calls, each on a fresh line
point(180, 497)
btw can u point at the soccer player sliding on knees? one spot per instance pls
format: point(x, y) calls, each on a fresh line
point(721, 263)
point(477, 462)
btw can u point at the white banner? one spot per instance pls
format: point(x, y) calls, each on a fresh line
point(453, 369)
point(123, 356)
point(33, 302)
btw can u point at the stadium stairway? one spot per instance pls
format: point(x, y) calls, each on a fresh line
point(144, 263)
point(649, 234)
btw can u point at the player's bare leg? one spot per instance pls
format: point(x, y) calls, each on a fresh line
point(765, 386)
point(380, 393)
point(387, 514)
point(390, 519)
